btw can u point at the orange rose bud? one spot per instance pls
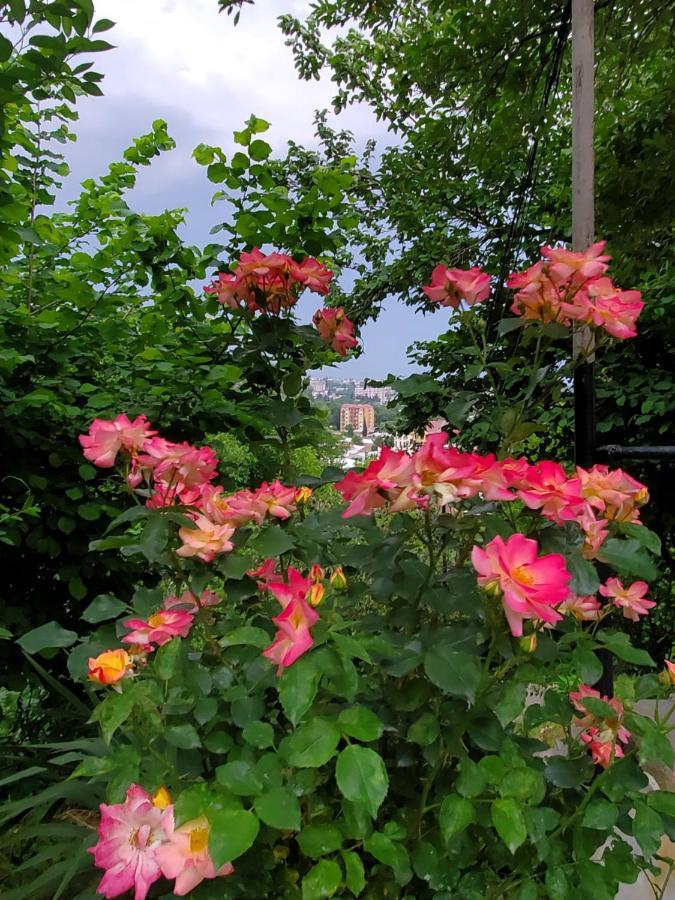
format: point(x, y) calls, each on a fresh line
point(110, 667)
point(161, 798)
point(316, 593)
point(528, 643)
point(303, 494)
point(316, 573)
point(337, 579)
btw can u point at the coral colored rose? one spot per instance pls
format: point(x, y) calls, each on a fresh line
point(615, 493)
point(335, 329)
point(602, 304)
point(313, 274)
point(228, 290)
point(296, 587)
point(450, 286)
point(491, 477)
point(602, 752)
point(106, 438)
point(179, 464)
point(186, 601)
point(584, 609)
point(130, 834)
point(185, 855)
point(439, 471)
point(109, 667)
point(631, 600)
point(206, 541)
point(569, 265)
point(382, 480)
point(530, 586)
point(293, 637)
point(159, 628)
point(264, 574)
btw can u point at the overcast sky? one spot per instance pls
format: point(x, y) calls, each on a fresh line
point(182, 61)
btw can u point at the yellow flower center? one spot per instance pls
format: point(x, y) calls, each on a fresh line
point(521, 575)
point(156, 620)
point(199, 839)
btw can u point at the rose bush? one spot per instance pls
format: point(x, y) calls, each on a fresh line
point(384, 688)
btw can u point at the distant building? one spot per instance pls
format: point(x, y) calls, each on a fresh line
point(317, 387)
point(381, 394)
point(361, 416)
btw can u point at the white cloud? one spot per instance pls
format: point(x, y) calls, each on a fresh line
point(186, 55)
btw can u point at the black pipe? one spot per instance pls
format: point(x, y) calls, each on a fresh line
point(614, 452)
point(584, 415)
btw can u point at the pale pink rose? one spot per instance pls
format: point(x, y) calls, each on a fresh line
point(130, 835)
point(105, 438)
point(530, 586)
point(206, 541)
point(584, 609)
point(568, 265)
point(185, 855)
point(631, 600)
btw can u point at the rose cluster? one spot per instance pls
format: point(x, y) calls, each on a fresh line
point(139, 843)
point(602, 733)
point(269, 283)
point(182, 475)
point(568, 287)
point(439, 476)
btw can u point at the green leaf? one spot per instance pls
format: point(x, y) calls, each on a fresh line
point(362, 777)
point(600, 814)
point(102, 25)
point(648, 539)
point(259, 150)
point(647, 828)
point(663, 802)
point(154, 538)
point(361, 723)
point(391, 853)
point(113, 712)
point(424, 730)
point(355, 876)
point(278, 808)
point(567, 773)
point(46, 637)
point(455, 815)
point(511, 702)
point(102, 608)
point(272, 542)
point(509, 822)
point(585, 580)
point(619, 644)
point(246, 635)
point(599, 708)
point(311, 745)
point(240, 778)
point(233, 832)
point(218, 742)
point(507, 325)
point(453, 671)
point(319, 840)
point(587, 664)
point(470, 782)
point(321, 881)
point(298, 686)
point(166, 659)
point(258, 734)
point(628, 558)
point(183, 736)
